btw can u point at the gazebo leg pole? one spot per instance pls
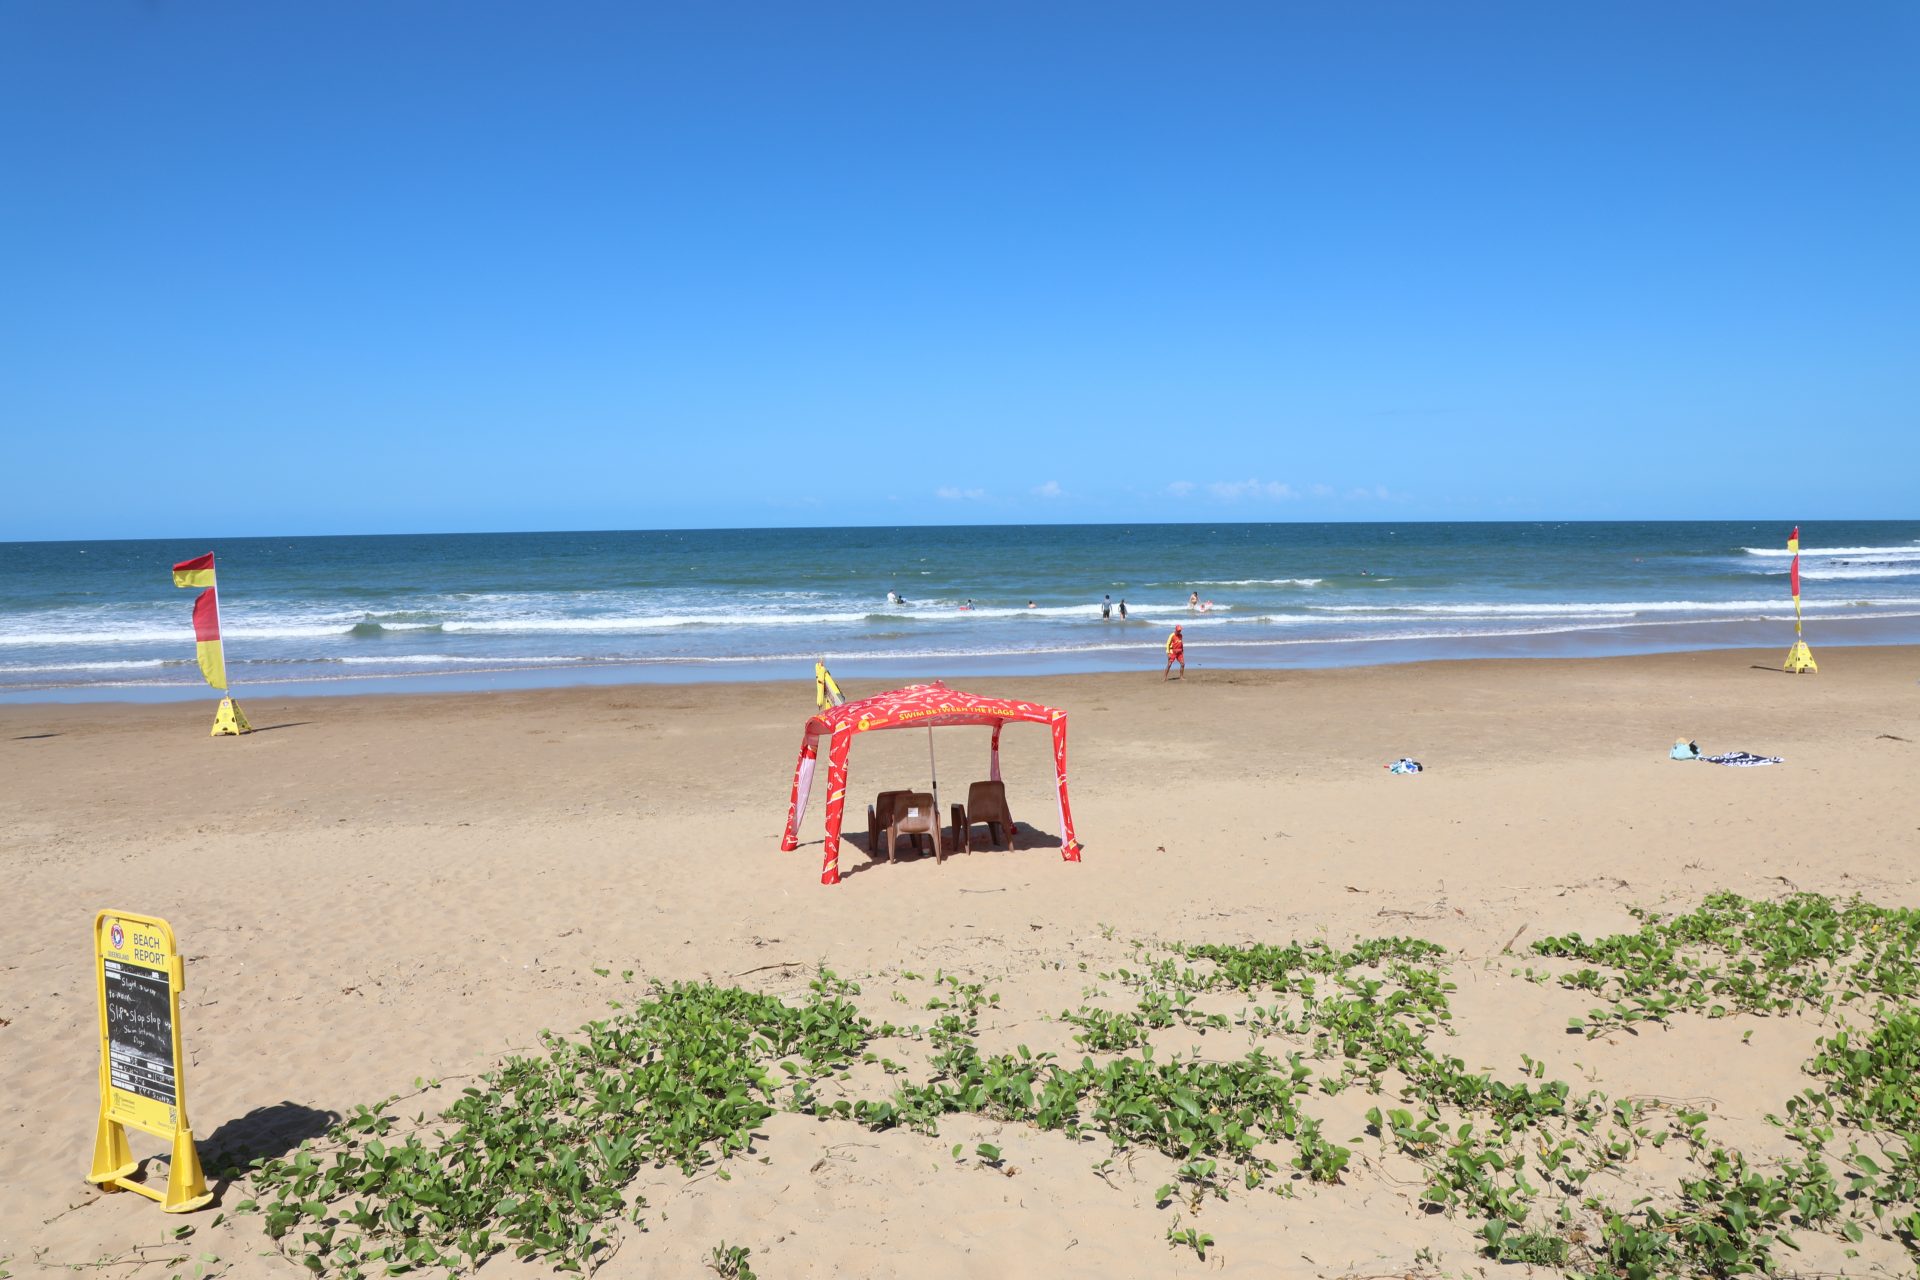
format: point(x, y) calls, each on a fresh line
point(933, 767)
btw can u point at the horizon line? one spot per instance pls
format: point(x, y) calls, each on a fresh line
point(1051, 524)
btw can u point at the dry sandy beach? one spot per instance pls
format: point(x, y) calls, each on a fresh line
point(378, 889)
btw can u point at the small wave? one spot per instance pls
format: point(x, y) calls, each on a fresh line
point(1596, 609)
point(1826, 574)
point(1088, 610)
point(930, 612)
point(175, 635)
point(1254, 582)
point(654, 622)
point(128, 665)
point(422, 659)
point(367, 630)
point(1907, 552)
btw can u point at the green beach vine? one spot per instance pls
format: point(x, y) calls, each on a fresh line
point(538, 1158)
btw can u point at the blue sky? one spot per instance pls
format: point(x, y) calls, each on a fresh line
point(271, 268)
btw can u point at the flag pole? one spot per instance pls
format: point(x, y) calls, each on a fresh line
point(1799, 658)
point(226, 668)
point(229, 718)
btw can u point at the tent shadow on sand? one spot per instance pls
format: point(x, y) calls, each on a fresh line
point(1029, 840)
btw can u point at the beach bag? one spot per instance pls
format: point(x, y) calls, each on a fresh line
point(1684, 750)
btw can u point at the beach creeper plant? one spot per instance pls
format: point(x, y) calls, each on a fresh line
point(1854, 963)
point(536, 1158)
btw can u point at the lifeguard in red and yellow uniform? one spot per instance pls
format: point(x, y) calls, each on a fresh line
point(1176, 652)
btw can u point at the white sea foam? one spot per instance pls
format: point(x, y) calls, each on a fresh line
point(1258, 582)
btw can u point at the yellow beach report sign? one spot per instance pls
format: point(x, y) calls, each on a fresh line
point(139, 973)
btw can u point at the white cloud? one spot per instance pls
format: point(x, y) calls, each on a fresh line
point(948, 493)
point(1266, 490)
point(1257, 490)
point(1051, 489)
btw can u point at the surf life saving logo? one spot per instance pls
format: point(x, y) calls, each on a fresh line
point(117, 936)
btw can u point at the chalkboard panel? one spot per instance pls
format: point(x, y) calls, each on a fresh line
point(140, 1030)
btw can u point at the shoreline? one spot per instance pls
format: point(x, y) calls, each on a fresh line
point(1301, 655)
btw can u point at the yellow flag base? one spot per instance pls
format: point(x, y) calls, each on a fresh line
point(230, 719)
point(113, 1164)
point(1800, 658)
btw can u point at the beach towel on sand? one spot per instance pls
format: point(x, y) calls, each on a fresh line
point(1404, 765)
point(1742, 759)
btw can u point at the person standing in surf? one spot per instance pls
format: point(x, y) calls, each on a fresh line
point(1176, 652)
point(1106, 608)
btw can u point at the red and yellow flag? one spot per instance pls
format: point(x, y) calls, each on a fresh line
point(198, 572)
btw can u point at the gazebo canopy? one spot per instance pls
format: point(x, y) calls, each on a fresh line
point(928, 706)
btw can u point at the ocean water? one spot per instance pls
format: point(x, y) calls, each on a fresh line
point(83, 620)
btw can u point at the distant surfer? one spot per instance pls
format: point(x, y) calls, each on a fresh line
point(894, 597)
point(1106, 608)
point(1176, 652)
point(967, 605)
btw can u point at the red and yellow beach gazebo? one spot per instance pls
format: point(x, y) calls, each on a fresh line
point(918, 706)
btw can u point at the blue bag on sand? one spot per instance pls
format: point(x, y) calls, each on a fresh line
point(1404, 765)
point(1684, 750)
